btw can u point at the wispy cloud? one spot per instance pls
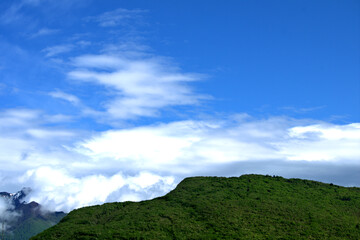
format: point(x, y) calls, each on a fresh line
point(48, 134)
point(143, 87)
point(56, 50)
point(117, 17)
point(303, 110)
point(13, 13)
point(44, 32)
point(83, 43)
point(26, 133)
point(59, 118)
point(65, 96)
point(17, 117)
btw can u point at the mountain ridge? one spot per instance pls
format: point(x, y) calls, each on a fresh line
point(246, 207)
point(24, 220)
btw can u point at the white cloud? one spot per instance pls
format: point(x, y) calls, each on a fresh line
point(17, 117)
point(65, 96)
point(22, 114)
point(303, 110)
point(142, 87)
point(329, 132)
point(7, 215)
point(68, 170)
point(13, 13)
point(117, 17)
point(59, 118)
point(197, 143)
point(26, 141)
point(83, 43)
point(56, 189)
point(323, 142)
point(56, 50)
point(44, 32)
point(43, 133)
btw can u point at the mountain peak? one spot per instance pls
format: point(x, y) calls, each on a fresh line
point(25, 219)
point(18, 198)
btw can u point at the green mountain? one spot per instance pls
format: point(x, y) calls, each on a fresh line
point(27, 218)
point(31, 226)
point(246, 207)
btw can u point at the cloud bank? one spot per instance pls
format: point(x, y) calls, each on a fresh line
point(176, 146)
point(58, 190)
point(67, 170)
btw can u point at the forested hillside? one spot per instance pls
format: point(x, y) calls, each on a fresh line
point(246, 207)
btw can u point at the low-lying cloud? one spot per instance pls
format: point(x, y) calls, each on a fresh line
point(67, 170)
point(56, 189)
point(7, 214)
point(163, 146)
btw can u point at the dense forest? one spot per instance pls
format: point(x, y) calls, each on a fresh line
point(246, 207)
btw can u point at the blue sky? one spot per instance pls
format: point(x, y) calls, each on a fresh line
point(129, 97)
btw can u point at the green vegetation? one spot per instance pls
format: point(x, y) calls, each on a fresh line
point(248, 207)
point(29, 228)
point(32, 226)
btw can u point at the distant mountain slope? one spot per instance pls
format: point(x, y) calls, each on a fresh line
point(24, 220)
point(247, 207)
